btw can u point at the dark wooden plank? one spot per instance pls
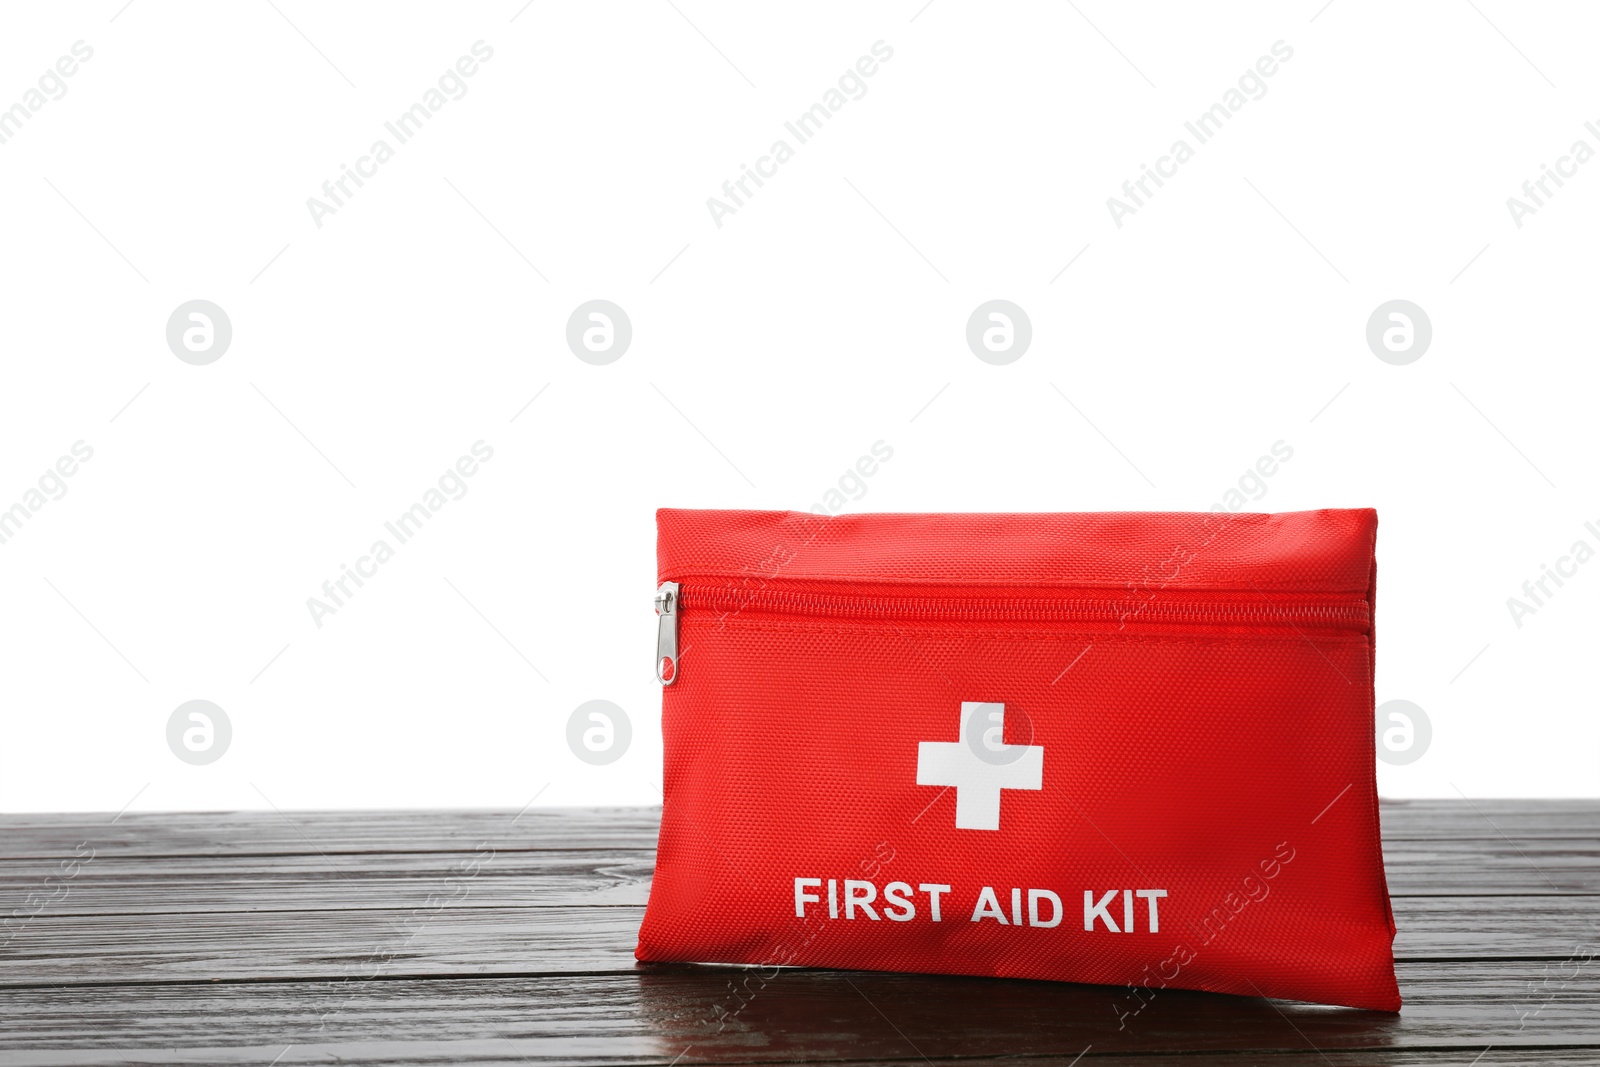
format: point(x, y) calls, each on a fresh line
point(113, 879)
point(603, 877)
point(1461, 867)
point(656, 1015)
point(128, 915)
point(499, 938)
point(434, 937)
point(163, 885)
point(50, 836)
point(1467, 928)
point(1440, 819)
point(424, 940)
point(496, 1052)
point(1476, 866)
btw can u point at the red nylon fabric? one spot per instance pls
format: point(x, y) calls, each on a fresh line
point(1185, 723)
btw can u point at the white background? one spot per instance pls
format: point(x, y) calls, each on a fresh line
point(768, 354)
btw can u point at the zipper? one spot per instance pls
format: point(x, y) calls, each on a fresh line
point(1161, 607)
point(667, 633)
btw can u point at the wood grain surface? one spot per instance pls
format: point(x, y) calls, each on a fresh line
point(489, 937)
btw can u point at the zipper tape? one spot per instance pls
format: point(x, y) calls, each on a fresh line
point(1349, 611)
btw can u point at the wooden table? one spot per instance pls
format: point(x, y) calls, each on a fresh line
point(488, 937)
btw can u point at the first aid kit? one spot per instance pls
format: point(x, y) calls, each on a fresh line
point(1123, 748)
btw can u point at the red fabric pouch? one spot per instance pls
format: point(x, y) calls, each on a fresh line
point(1110, 748)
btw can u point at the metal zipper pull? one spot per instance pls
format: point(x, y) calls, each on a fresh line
point(667, 633)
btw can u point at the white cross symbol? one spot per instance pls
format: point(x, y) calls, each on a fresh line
point(980, 767)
